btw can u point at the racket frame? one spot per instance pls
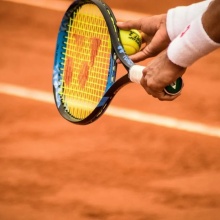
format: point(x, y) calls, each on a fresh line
point(117, 52)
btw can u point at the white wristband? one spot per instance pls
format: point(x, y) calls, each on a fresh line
point(191, 44)
point(178, 18)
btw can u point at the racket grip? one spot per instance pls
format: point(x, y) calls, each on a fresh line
point(136, 73)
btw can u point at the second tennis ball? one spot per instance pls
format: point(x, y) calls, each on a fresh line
point(131, 40)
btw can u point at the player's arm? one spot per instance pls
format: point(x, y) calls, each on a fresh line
point(154, 34)
point(180, 17)
point(159, 30)
point(211, 20)
point(199, 38)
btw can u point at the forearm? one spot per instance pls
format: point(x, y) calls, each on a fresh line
point(210, 21)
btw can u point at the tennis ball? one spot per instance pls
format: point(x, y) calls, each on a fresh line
point(131, 40)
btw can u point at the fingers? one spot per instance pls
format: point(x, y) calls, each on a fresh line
point(161, 71)
point(158, 93)
point(161, 95)
point(154, 34)
point(154, 86)
point(148, 51)
point(148, 25)
point(165, 97)
point(127, 25)
point(143, 54)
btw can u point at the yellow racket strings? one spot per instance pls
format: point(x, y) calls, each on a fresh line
point(86, 61)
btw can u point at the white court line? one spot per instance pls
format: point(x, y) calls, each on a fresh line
point(132, 115)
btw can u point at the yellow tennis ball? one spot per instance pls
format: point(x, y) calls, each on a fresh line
point(131, 40)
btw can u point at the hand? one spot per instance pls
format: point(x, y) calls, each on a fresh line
point(160, 73)
point(154, 34)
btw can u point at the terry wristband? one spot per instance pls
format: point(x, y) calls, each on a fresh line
point(178, 18)
point(191, 44)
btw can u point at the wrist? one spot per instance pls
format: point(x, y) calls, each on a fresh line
point(178, 18)
point(191, 44)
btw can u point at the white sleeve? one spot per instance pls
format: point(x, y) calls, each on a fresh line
point(178, 18)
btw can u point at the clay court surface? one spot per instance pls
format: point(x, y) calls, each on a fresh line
point(115, 168)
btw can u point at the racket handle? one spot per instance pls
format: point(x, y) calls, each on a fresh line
point(135, 75)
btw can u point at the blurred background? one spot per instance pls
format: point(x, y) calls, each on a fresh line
point(151, 7)
point(118, 168)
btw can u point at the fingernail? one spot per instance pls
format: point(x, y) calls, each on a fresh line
point(119, 22)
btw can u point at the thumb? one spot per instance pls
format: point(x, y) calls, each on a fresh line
point(142, 54)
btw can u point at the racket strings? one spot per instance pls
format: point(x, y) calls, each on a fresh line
point(86, 61)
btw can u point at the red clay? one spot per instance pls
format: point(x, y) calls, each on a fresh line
point(113, 169)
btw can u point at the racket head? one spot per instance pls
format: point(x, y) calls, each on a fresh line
point(85, 61)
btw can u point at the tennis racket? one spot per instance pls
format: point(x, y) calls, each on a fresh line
point(84, 75)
